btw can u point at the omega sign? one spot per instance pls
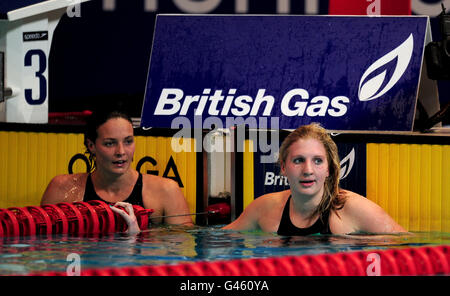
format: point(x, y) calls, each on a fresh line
point(170, 168)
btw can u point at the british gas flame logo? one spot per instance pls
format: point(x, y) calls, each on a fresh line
point(347, 164)
point(372, 89)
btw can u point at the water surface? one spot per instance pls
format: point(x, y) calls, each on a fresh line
point(176, 244)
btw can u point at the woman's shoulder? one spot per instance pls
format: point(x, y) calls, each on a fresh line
point(157, 180)
point(352, 203)
point(66, 187)
point(272, 200)
point(69, 179)
point(355, 202)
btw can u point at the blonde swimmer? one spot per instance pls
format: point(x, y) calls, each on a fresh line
point(314, 204)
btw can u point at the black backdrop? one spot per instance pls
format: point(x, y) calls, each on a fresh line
point(103, 55)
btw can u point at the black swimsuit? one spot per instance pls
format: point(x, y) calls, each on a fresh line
point(287, 228)
point(135, 198)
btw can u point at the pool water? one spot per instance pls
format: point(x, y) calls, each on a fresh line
point(176, 244)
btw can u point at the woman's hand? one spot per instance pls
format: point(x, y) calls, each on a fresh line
point(128, 216)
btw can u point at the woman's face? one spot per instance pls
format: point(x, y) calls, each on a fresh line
point(306, 167)
point(114, 146)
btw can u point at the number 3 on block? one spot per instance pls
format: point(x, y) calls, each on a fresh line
point(39, 75)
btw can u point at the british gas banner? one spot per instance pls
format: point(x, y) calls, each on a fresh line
point(280, 71)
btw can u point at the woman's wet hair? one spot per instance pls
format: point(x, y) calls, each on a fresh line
point(94, 121)
point(332, 198)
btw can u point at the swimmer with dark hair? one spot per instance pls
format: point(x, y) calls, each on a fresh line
point(110, 143)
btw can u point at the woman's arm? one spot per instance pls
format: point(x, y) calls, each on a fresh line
point(174, 204)
point(248, 220)
point(366, 216)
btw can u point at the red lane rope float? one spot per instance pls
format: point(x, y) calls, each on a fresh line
point(388, 264)
point(27, 226)
point(142, 216)
point(42, 220)
point(58, 220)
point(9, 223)
point(440, 263)
point(91, 221)
point(404, 261)
point(355, 263)
point(429, 260)
point(76, 218)
point(336, 265)
point(105, 215)
point(301, 266)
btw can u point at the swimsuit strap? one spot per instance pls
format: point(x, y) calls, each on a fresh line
point(287, 228)
point(135, 198)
